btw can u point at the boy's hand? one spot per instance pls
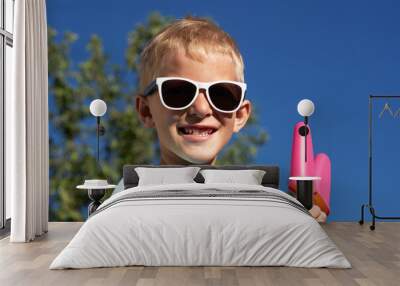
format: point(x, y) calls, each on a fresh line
point(318, 214)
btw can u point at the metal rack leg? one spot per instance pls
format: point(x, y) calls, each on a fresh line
point(361, 221)
point(374, 216)
point(372, 210)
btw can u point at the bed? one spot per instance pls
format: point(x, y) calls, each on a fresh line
point(201, 223)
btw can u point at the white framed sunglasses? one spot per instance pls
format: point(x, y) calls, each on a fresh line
point(178, 93)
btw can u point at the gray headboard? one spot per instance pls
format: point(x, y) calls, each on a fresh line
point(270, 179)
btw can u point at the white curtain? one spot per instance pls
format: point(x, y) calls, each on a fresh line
point(27, 152)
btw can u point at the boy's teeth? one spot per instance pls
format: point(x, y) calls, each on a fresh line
point(196, 131)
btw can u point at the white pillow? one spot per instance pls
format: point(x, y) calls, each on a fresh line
point(249, 177)
point(162, 176)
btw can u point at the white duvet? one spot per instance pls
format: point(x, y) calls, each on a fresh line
point(184, 230)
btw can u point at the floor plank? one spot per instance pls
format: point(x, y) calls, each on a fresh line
point(374, 255)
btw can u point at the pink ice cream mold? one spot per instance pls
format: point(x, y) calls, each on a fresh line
point(318, 166)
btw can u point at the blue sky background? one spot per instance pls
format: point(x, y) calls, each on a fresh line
point(335, 53)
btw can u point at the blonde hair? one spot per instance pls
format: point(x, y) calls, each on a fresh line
point(197, 36)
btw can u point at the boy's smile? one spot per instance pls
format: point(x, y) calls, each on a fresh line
point(197, 134)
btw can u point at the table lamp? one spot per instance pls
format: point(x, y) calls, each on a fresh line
point(96, 188)
point(306, 109)
point(98, 108)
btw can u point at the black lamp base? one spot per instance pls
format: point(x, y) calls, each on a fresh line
point(95, 196)
point(305, 193)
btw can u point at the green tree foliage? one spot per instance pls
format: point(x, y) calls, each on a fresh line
point(73, 129)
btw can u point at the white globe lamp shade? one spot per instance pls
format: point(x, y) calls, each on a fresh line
point(98, 107)
point(305, 107)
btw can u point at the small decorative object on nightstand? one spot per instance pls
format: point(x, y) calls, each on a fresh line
point(96, 190)
point(305, 190)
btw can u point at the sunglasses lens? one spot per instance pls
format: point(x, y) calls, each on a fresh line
point(225, 96)
point(177, 93)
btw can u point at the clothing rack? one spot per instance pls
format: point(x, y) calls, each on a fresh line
point(370, 204)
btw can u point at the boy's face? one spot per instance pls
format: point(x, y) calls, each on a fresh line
point(184, 134)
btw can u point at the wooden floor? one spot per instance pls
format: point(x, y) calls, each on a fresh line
point(374, 255)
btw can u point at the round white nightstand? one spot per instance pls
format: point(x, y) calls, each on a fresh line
point(304, 193)
point(96, 190)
